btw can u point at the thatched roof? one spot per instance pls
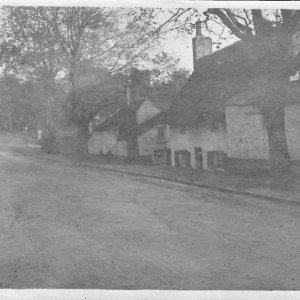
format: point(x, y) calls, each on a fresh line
point(232, 71)
point(260, 94)
point(119, 120)
point(113, 122)
point(236, 75)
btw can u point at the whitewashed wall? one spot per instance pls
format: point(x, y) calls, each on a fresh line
point(292, 127)
point(105, 142)
point(147, 142)
point(246, 134)
point(201, 137)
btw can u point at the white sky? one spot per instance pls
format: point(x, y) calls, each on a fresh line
point(181, 48)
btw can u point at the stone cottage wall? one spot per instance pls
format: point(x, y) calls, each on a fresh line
point(246, 134)
point(147, 142)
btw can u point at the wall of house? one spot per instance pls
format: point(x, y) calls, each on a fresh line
point(105, 142)
point(190, 138)
point(246, 135)
point(146, 111)
point(292, 126)
point(148, 142)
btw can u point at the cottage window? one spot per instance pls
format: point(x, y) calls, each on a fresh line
point(158, 156)
point(210, 160)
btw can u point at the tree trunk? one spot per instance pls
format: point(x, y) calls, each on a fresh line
point(278, 149)
point(82, 128)
point(132, 146)
point(273, 112)
point(82, 141)
point(131, 136)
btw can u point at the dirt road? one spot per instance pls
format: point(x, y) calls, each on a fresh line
point(63, 226)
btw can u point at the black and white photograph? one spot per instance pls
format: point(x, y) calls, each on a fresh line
point(150, 147)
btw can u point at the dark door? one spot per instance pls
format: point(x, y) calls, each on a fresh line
point(158, 156)
point(211, 160)
point(188, 159)
point(168, 157)
point(184, 159)
point(198, 158)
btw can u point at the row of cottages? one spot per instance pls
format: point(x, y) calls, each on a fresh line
point(216, 121)
point(132, 131)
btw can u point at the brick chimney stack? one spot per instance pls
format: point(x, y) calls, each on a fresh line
point(202, 45)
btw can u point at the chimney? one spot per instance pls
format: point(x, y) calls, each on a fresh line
point(202, 45)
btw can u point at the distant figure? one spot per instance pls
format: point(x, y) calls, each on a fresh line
point(39, 135)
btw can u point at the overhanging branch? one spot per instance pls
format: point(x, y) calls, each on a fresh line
point(228, 23)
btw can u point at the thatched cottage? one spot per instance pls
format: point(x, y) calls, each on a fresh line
point(221, 118)
point(135, 124)
point(218, 120)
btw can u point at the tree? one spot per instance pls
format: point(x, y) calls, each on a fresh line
point(146, 84)
point(169, 87)
point(30, 56)
point(272, 32)
point(26, 104)
point(9, 89)
point(105, 94)
point(52, 42)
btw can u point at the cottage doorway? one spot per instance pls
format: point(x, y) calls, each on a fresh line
point(168, 157)
point(183, 159)
point(216, 160)
point(198, 158)
point(162, 157)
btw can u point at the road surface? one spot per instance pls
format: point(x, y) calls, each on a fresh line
point(64, 226)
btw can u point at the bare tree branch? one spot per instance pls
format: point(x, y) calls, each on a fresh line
point(244, 28)
point(228, 22)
